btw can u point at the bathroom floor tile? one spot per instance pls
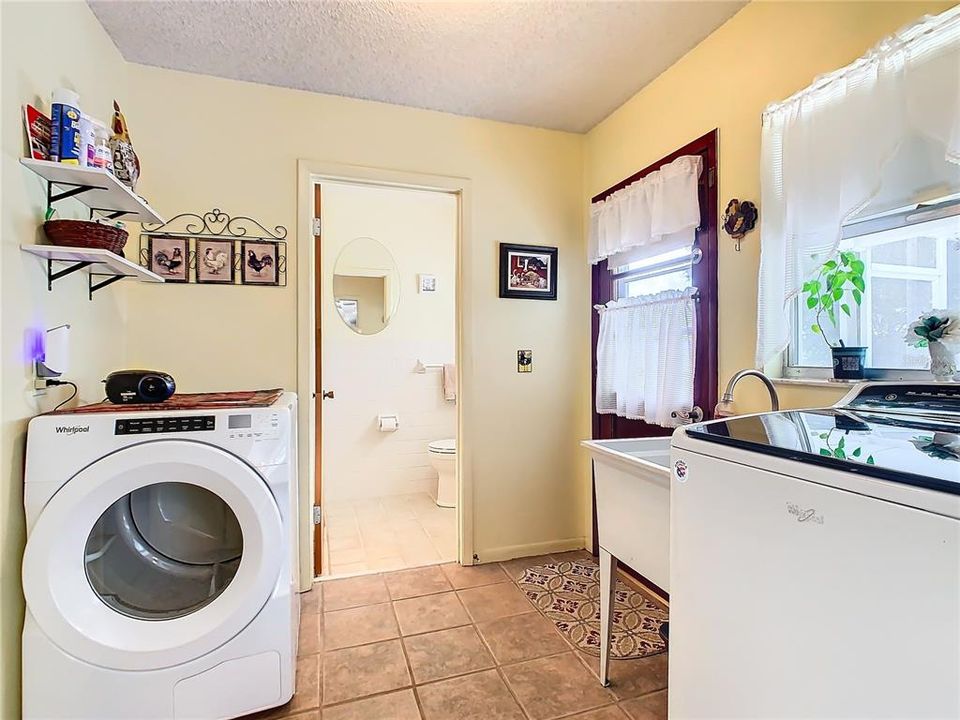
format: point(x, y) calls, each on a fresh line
point(522, 637)
point(400, 705)
point(430, 612)
point(312, 601)
point(555, 686)
point(494, 601)
point(610, 712)
point(309, 639)
point(354, 592)
point(632, 678)
point(356, 672)
point(446, 653)
point(306, 694)
point(648, 707)
point(474, 575)
point(481, 696)
point(359, 626)
point(414, 583)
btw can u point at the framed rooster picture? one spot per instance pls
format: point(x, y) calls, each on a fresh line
point(259, 262)
point(169, 257)
point(215, 261)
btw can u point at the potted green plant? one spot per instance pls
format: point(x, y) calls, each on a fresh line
point(939, 332)
point(828, 294)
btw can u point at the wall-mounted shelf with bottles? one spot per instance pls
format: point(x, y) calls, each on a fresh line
point(96, 188)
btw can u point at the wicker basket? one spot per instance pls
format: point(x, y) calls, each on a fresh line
point(86, 234)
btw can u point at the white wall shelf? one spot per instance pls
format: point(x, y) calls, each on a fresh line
point(97, 263)
point(96, 188)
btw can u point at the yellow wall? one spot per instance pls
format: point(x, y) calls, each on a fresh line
point(764, 53)
point(207, 142)
point(42, 50)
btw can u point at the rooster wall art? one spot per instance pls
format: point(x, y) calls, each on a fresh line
point(260, 263)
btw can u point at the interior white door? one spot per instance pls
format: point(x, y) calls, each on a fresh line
point(154, 555)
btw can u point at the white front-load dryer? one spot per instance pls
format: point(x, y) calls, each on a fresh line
point(160, 566)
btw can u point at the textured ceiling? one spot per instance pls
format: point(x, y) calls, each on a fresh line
point(559, 64)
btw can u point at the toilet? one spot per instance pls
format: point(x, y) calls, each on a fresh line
point(443, 457)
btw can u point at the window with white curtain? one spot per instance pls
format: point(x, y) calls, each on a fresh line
point(867, 160)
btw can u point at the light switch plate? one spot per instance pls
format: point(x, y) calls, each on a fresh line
point(524, 361)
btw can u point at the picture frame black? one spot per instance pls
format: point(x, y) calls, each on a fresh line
point(528, 272)
point(163, 251)
point(212, 267)
point(249, 273)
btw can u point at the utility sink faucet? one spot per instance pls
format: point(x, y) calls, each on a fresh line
point(725, 407)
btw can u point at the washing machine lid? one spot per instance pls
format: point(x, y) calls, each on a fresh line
point(443, 447)
point(75, 607)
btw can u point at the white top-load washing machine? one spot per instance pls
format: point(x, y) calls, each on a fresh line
point(815, 560)
point(161, 561)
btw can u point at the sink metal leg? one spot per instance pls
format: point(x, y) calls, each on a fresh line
point(608, 585)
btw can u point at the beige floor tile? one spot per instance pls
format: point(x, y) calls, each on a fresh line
point(414, 583)
point(309, 639)
point(342, 543)
point(311, 601)
point(385, 564)
point(359, 626)
point(430, 612)
point(648, 707)
point(400, 705)
point(475, 575)
point(356, 672)
point(306, 696)
point(515, 568)
point(443, 654)
point(481, 696)
point(417, 555)
point(494, 601)
point(632, 678)
point(522, 637)
point(610, 712)
point(555, 686)
point(354, 592)
point(341, 570)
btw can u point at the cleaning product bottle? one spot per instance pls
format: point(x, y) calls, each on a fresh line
point(65, 127)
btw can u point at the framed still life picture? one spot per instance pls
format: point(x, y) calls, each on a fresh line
point(169, 257)
point(215, 261)
point(259, 260)
point(528, 272)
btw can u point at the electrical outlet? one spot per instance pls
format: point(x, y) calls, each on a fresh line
point(524, 361)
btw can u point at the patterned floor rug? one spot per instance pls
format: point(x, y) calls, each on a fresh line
point(568, 593)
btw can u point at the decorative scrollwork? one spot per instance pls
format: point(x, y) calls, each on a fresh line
point(215, 223)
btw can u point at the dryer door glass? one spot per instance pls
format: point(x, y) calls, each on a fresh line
point(163, 551)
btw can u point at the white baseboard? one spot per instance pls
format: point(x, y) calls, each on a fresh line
point(509, 552)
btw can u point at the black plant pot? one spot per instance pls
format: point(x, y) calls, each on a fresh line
point(848, 362)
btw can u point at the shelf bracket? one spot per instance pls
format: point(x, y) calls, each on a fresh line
point(51, 275)
point(93, 287)
point(75, 190)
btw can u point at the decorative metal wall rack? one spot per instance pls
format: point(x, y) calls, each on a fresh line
point(215, 249)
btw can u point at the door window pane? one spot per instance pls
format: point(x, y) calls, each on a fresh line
point(163, 551)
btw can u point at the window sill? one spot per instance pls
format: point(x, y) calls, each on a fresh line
point(816, 382)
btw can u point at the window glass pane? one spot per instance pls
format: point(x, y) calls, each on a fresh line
point(909, 271)
point(676, 280)
point(678, 254)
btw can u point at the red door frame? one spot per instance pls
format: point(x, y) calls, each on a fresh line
point(704, 278)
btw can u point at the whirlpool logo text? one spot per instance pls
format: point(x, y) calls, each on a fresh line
point(72, 429)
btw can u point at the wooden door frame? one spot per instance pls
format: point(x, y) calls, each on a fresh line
point(707, 362)
point(309, 173)
point(318, 380)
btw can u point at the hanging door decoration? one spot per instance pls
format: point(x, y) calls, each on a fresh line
point(215, 249)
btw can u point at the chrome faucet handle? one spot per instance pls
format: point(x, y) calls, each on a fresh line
point(688, 417)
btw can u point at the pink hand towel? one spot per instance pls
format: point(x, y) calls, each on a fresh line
point(450, 382)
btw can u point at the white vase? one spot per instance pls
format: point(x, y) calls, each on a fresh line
point(943, 363)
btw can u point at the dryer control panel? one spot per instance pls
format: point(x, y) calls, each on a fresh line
point(146, 425)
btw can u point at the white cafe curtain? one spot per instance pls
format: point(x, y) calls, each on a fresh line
point(646, 356)
point(656, 214)
point(827, 151)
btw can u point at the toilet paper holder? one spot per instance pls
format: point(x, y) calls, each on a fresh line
point(388, 423)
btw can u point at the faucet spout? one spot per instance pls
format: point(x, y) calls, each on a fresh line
point(725, 408)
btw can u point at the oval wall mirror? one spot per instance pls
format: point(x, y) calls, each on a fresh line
point(366, 286)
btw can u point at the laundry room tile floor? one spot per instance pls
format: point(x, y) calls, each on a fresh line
point(387, 533)
point(453, 643)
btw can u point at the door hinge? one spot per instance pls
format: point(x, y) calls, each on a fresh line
point(317, 516)
point(316, 227)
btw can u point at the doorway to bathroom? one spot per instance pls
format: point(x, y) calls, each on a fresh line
point(385, 295)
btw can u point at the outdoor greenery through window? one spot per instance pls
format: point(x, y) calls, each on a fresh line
point(911, 264)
